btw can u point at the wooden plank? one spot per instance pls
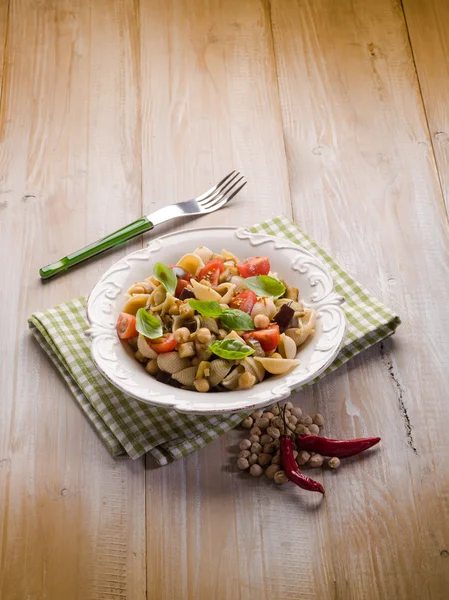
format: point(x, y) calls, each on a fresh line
point(427, 24)
point(209, 98)
point(71, 516)
point(364, 184)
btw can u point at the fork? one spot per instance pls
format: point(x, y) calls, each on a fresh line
point(212, 200)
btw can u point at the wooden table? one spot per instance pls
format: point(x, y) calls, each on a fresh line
point(337, 112)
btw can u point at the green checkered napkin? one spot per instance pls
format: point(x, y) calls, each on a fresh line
point(133, 428)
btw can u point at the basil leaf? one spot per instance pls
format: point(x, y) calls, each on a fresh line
point(165, 276)
point(148, 325)
point(232, 318)
point(207, 308)
point(231, 349)
point(263, 285)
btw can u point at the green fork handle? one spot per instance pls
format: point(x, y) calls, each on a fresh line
point(114, 239)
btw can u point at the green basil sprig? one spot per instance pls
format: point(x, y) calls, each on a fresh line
point(148, 325)
point(207, 308)
point(166, 277)
point(263, 285)
point(231, 318)
point(231, 349)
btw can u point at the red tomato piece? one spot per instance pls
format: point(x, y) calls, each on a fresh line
point(268, 338)
point(211, 271)
point(126, 326)
point(244, 301)
point(167, 343)
point(256, 265)
point(182, 283)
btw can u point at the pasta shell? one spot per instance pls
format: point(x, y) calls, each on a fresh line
point(141, 287)
point(231, 381)
point(193, 323)
point(167, 304)
point(202, 351)
point(202, 292)
point(239, 283)
point(249, 364)
point(286, 347)
point(190, 263)
point(204, 253)
point(226, 291)
point(144, 347)
point(185, 376)
point(157, 298)
point(277, 366)
point(210, 324)
point(264, 306)
point(234, 335)
point(135, 302)
point(229, 256)
point(170, 362)
point(298, 334)
point(218, 370)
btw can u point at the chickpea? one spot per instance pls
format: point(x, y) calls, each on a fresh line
point(257, 414)
point(276, 460)
point(274, 432)
point(256, 448)
point(268, 449)
point(268, 415)
point(287, 413)
point(203, 335)
point(254, 438)
point(314, 429)
point(261, 321)
point(186, 350)
point(318, 420)
point(316, 460)
point(243, 463)
point(256, 431)
point(182, 335)
point(264, 459)
point(271, 470)
point(140, 357)
point(222, 333)
point(280, 477)
point(253, 459)
point(333, 462)
point(244, 454)
point(278, 422)
point(195, 361)
point(295, 454)
point(247, 423)
point(288, 405)
point(293, 420)
point(256, 470)
point(186, 309)
point(246, 380)
point(266, 439)
point(302, 458)
point(276, 444)
point(151, 367)
point(296, 412)
point(306, 420)
point(262, 423)
point(202, 385)
point(275, 410)
point(302, 430)
point(245, 445)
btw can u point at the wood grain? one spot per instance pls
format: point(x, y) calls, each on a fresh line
point(113, 108)
point(364, 184)
point(72, 517)
point(427, 23)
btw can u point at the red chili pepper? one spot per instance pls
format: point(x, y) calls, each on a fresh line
point(291, 468)
point(338, 448)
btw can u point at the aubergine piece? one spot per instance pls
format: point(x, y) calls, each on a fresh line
point(180, 272)
point(186, 294)
point(284, 317)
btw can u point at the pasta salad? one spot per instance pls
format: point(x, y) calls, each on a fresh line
point(214, 323)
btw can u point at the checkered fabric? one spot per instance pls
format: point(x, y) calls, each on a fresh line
point(133, 428)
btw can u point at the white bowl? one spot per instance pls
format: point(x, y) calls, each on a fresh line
point(294, 264)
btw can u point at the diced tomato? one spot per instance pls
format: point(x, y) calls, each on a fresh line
point(268, 338)
point(244, 301)
point(211, 271)
point(126, 326)
point(256, 265)
point(167, 343)
point(182, 283)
